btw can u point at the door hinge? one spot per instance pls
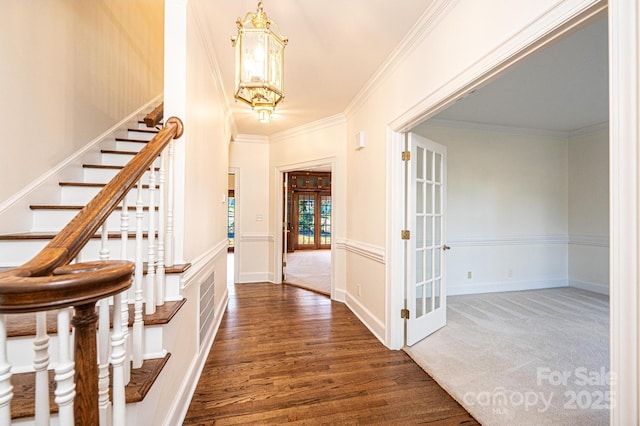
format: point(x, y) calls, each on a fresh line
point(405, 234)
point(404, 314)
point(406, 155)
point(284, 264)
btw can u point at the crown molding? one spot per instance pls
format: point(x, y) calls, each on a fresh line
point(243, 138)
point(431, 16)
point(470, 125)
point(324, 123)
point(589, 129)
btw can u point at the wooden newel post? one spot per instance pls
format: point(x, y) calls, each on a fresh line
point(86, 360)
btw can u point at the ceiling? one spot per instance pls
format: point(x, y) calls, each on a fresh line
point(562, 88)
point(336, 46)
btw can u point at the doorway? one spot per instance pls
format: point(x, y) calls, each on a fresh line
point(307, 237)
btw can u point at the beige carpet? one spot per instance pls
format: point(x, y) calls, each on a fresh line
point(310, 269)
point(536, 357)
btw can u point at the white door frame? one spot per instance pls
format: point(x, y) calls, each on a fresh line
point(624, 178)
point(279, 209)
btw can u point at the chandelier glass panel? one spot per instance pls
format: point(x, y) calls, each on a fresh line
point(259, 63)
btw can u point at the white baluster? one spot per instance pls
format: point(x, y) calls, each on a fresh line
point(137, 318)
point(160, 270)
point(150, 299)
point(6, 389)
point(124, 308)
point(65, 387)
point(40, 365)
point(118, 361)
point(168, 259)
point(104, 345)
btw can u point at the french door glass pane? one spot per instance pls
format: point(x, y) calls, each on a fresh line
point(325, 220)
point(306, 219)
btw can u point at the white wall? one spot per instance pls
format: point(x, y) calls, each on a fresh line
point(71, 69)
point(434, 65)
point(506, 209)
point(249, 156)
point(589, 211)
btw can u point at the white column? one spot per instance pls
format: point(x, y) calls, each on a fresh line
point(624, 142)
point(175, 104)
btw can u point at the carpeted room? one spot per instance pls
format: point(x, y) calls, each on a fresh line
point(527, 208)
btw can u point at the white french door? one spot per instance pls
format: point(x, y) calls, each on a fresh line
point(426, 279)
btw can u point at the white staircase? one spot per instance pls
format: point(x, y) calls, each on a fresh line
point(161, 303)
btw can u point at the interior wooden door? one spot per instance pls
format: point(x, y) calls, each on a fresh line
point(311, 220)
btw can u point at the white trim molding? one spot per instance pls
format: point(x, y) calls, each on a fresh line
point(256, 238)
point(500, 286)
point(242, 138)
point(524, 240)
point(588, 240)
point(469, 125)
point(624, 212)
point(366, 317)
point(202, 265)
point(368, 251)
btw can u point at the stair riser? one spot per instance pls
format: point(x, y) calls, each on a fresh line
point(78, 195)
point(55, 220)
point(18, 252)
point(119, 159)
point(140, 135)
point(20, 349)
point(96, 175)
point(129, 146)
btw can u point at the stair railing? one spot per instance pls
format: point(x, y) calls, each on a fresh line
point(51, 281)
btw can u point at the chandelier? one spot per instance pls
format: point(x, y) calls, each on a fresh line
point(259, 63)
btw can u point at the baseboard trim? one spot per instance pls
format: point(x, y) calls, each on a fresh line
point(375, 326)
point(340, 295)
point(495, 287)
point(180, 406)
point(601, 288)
point(254, 277)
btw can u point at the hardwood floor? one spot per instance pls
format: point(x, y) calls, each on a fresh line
point(287, 355)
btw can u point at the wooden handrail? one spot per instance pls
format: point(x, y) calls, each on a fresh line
point(154, 117)
point(48, 281)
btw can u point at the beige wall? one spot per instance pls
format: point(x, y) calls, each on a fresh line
point(249, 157)
point(70, 70)
point(589, 210)
point(506, 212)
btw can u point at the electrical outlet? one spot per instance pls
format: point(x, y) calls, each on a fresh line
point(358, 289)
point(510, 273)
point(469, 275)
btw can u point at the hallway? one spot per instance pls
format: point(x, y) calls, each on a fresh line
point(287, 355)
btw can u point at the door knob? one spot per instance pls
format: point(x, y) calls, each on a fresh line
point(445, 247)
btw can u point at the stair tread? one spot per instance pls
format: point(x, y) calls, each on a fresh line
point(117, 151)
point(75, 207)
point(22, 325)
point(145, 130)
point(131, 140)
point(142, 379)
point(108, 167)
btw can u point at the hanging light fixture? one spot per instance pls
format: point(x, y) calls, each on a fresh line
point(259, 63)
